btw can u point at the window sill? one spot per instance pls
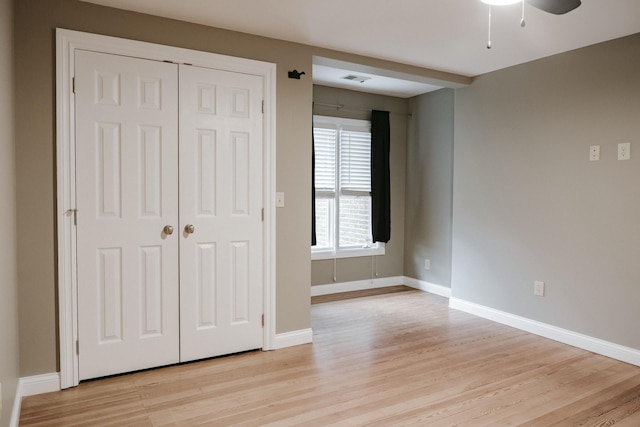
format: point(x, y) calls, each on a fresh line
point(348, 253)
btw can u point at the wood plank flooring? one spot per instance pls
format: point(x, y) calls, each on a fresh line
point(384, 358)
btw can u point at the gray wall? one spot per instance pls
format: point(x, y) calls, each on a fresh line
point(528, 205)
point(429, 186)
point(359, 106)
point(9, 356)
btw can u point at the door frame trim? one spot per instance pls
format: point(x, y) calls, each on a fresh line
point(67, 42)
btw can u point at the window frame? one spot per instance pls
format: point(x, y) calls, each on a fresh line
point(377, 248)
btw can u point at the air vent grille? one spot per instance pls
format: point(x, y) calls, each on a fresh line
point(355, 78)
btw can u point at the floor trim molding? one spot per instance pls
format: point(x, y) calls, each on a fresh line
point(39, 384)
point(17, 406)
point(432, 288)
point(357, 285)
point(30, 386)
point(382, 282)
point(293, 338)
point(585, 342)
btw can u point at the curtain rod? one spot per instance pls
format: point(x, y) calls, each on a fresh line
point(344, 107)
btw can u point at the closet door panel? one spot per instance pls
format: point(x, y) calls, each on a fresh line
point(221, 270)
point(127, 192)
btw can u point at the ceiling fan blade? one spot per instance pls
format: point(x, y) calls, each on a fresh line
point(557, 7)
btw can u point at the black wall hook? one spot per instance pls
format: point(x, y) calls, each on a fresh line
point(295, 74)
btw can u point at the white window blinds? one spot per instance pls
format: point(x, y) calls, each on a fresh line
point(343, 188)
point(325, 149)
point(355, 161)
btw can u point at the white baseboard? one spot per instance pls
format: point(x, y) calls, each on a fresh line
point(357, 285)
point(585, 342)
point(30, 386)
point(17, 406)
point(432, 288)
point(383, 282)
point(39, 384)
point(293, 338)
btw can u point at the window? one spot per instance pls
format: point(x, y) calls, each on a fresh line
point(343, 188)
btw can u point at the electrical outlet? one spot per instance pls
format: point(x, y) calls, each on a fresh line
point(538, 288)
point(594, 153)
point(427, 264)
point(624, 151)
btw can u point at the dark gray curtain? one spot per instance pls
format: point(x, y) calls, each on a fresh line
point(314, 241)
point(380, 193)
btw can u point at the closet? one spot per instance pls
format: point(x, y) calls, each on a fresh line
point(169, 217)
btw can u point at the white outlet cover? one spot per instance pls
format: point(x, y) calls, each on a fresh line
point(624, 151)
point(594, 153)
point(427, 264)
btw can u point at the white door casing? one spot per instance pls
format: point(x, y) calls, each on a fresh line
point(221, 261)
point(127, 188)
point(69, 44)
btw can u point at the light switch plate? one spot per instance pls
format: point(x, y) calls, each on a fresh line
point(280, 200)
point(538, 288)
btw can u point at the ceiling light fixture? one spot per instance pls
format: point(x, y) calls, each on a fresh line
point(556, 7)
point(501, 3)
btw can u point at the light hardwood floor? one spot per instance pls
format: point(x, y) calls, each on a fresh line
point(392, 359)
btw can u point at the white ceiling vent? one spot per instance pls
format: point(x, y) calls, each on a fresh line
point(354, 78)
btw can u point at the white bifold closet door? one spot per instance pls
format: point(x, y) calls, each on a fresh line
point(169, 198)
point(221, 266)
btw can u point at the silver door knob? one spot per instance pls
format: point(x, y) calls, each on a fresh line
point(189, 229)
point(168, 230)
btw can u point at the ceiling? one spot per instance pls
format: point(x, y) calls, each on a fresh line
point(445, 35)
point(334, 73)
